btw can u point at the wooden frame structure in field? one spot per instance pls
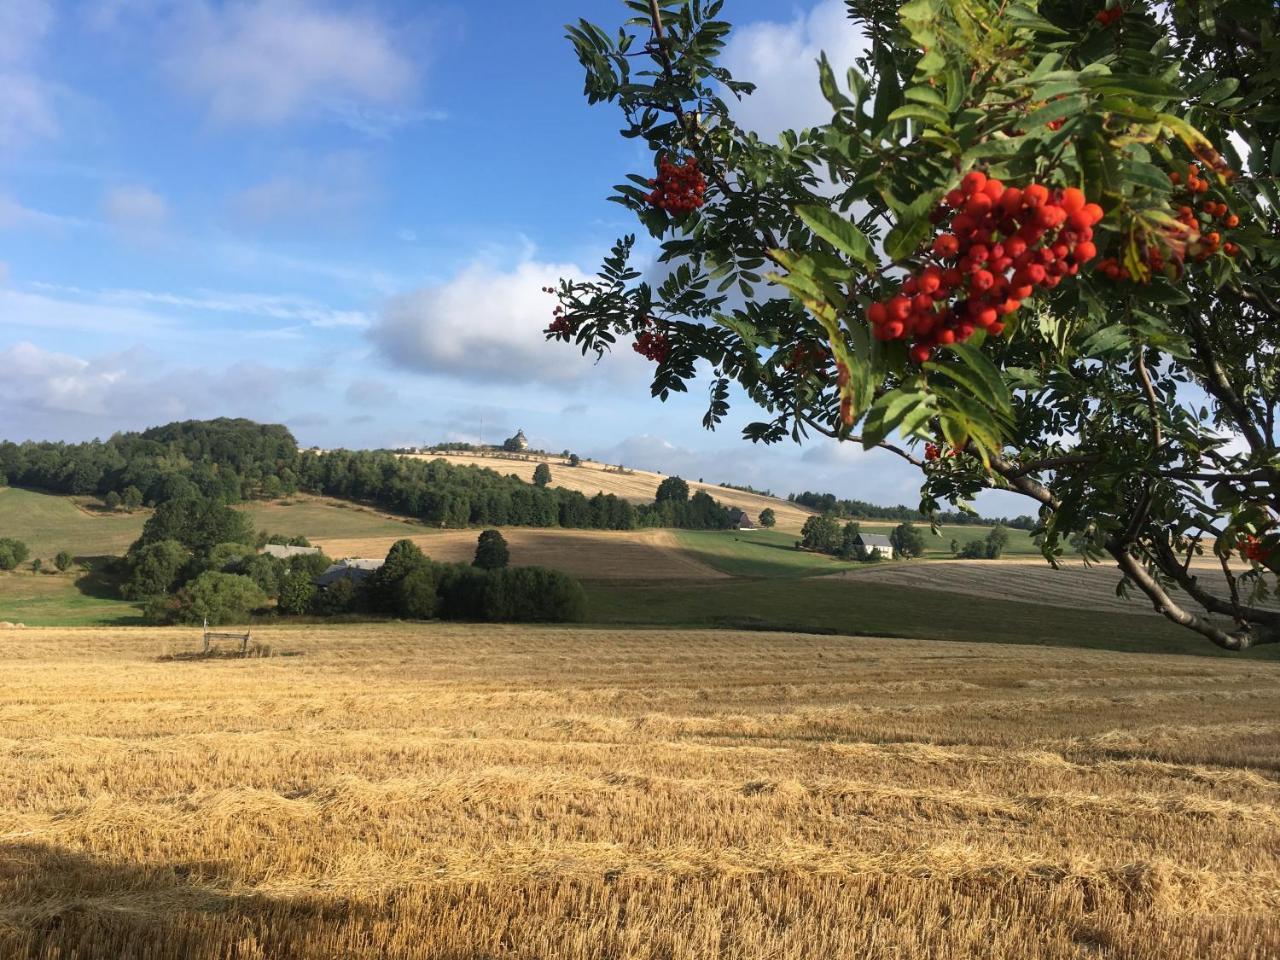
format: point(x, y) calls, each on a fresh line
point(213, 637)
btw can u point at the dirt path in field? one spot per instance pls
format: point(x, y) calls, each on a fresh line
point(588, 554)
point(1027, 580)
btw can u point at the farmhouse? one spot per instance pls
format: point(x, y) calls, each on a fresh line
point(354, 570)
point(285, 551)
point(878, 543)
point(741, 520)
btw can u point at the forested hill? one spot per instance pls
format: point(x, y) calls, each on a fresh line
point(234, 460)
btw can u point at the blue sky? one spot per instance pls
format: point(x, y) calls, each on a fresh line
point(339, 216)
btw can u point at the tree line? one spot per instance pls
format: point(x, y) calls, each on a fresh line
point(197, 560)
point(232, 460)
point(829, 504)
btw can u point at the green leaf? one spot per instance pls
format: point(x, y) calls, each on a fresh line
point(926, 114)
point(839, 232)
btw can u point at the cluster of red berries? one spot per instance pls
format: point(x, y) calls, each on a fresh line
point(560, 324)
point(807, 356)
point(1002, 243)
point(678, 188)
point(1110, 16)
point(1194, 238)
point(652, 346)
point(934, 452)
point(1253, 550)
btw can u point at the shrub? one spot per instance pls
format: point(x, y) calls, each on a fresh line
point(460, 592)
point(297, 593)
point(63, 561)
point(416, 594)
point(673, 489)
point(154, 569)
point(12, 553)
point(997, 540)
point(541, 475)
point(491, 551)
point(341, 596)
point(907, 541)
point(217, 597)
point(266, 571)
point(112, 500)
point(531, 595)
point(821, 534)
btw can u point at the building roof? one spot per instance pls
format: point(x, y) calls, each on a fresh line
point(354, 570)
point(875, 540)
point(285, 551)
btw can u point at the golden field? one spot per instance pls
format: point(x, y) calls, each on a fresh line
point(638, 486)
point(436, 791)
point(591, 554)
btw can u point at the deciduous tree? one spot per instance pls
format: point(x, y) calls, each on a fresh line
point(1033, 249)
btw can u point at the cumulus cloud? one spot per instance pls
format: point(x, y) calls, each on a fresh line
point(26, 99)
point(267, 61)
point(135, 208)
point(781, 58)
point(61, 396)
point(485, 324)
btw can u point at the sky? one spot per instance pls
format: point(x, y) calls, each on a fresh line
point(339, 216)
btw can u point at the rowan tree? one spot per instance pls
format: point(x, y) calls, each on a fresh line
point(1034, 249)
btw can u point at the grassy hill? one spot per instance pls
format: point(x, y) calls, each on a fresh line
point(48, 524)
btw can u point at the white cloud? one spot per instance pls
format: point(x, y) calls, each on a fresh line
point(323, 192)
point(297, 310)
point(58, 395)
point(266, 61)
point(781, 58)
point(26, 99)
point(486, 324)
point(135, 208)
point(15, 216)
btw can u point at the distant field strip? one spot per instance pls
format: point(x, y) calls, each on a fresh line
point(589, 554)
point(638, 486)
point(410, 792)
point(1030, 581)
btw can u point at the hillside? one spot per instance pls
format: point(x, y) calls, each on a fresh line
point(49, 523)
point(591, 477)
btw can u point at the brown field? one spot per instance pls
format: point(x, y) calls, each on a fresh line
point(438, 791)
point(590, 554)
point(1031, 580)
point(638, 486)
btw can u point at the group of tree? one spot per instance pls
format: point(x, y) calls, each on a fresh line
point(411, 586)
point(990, 547)
point(831, 505)
point(823, 534)
point(13, 553)
point(199, 560)
point(229, 461)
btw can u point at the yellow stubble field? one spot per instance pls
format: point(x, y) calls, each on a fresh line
point(435, 791)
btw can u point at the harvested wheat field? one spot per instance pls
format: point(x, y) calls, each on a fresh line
point(590, 554)
point(1031, 580)
point(638, 486)
point(463, 792)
